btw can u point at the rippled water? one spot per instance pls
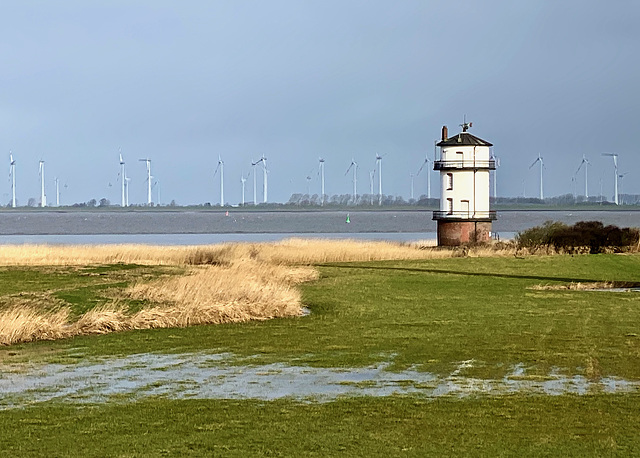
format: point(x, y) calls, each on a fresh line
point(215, 377)
point(202, 227)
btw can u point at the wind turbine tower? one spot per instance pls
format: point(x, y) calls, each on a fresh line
point(57, 191)
point(148, 161)
point(379, 161)
point(372, 175)
point(621, 176)
point(426, 162)
point(586, 164)
point(243, 180)
point(126, 189)
point(615, 171)
point(539, 159)
point(321, 182)
point(12, 175)
point(264, 177)
point(496, 163)
point(354, 166)
point(411, 193)
point(253, 170)
point(124, 182)
point(221, 168)
point(43, 197)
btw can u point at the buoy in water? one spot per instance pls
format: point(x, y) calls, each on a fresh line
point(348, 220)
point(227, 213)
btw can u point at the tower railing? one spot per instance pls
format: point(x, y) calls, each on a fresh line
point(464, 164)
point(489, 215)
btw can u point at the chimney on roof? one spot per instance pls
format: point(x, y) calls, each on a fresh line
point(445, 133)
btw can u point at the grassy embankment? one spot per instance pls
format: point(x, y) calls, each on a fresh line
point(425, 313)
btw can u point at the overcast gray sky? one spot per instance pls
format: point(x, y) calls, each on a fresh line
point(182, 82)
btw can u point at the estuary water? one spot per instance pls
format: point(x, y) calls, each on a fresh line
point(215, 226)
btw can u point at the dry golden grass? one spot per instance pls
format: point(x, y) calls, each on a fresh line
point(288, 252)
point(578, 286)
point(223, 283)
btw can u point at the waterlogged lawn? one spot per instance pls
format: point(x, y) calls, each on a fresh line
point(430, 315)
point(426, 315)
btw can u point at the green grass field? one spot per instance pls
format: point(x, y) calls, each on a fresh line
point(428, 315)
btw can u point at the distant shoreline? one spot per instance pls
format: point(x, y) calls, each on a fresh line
point(285, 209)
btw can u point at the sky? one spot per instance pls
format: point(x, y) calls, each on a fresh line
point(185, 83)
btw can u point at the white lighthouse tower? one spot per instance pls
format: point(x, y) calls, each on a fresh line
point(464, 165)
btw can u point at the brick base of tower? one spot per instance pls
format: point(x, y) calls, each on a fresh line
point(455, 233)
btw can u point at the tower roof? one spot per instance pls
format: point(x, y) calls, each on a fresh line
point(464, 139)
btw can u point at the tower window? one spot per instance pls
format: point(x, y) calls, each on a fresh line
point(450, 206)
point(449, 181)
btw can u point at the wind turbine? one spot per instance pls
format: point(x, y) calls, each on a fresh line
point(621, 176)
point(43, 197)
point(615, 177)
point(586, 164)
point(539, 159)
point(57, 182)
point(411, 194)
point(372, 174)
point(264, 178)
point(321, 170)
point(426, 162)
point(123, 179)
point(496, 161)
point(156, 184)
point(253, 170)
point(148, 161)
point(221, 168)
point(309, 186)
point(126, 189)
point(12, 176)
point(354, 166)
point(243, 180)
point(379, 162)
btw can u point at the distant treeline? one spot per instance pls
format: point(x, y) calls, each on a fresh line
point(368, 200)
point(568, 199)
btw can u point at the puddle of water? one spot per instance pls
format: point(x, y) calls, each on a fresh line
point(211, 377)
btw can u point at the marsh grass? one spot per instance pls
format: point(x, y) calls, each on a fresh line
point(217, 284)
point(293, 251)
point(586, 286)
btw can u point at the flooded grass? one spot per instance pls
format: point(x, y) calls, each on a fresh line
point(203, 376)
point(424, 357)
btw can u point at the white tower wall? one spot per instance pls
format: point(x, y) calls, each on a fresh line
point(462, 185)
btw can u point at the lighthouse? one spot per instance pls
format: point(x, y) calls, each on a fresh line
point(464, 166)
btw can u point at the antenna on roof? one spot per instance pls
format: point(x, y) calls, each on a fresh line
point(465, 125)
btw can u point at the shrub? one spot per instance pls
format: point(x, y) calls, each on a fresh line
point(584, 235)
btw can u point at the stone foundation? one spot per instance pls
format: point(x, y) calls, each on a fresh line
point(454, 233)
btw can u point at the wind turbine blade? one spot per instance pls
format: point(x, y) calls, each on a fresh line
point(426, 161)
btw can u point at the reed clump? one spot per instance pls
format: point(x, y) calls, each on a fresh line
point(587, 286)
point(222, 283)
